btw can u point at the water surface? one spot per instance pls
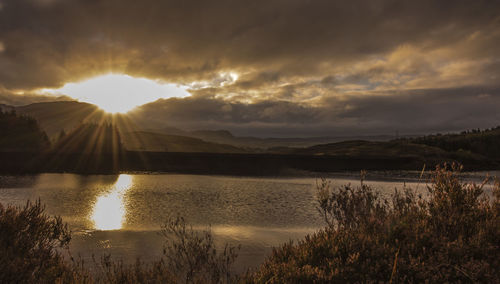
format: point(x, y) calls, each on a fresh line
point(122, 214)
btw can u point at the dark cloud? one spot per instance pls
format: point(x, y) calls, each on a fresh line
point(302, 64)
point(422, 110)
point(57, 41)
point(197, 110)
point(410, 112)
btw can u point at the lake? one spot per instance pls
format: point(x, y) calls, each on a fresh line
point(122, 214)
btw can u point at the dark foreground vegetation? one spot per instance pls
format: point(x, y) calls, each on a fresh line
point(452, 234)
point(21, 133)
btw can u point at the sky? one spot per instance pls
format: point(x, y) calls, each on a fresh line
point(268, 67)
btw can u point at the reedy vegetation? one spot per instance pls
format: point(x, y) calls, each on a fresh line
point(450, 235)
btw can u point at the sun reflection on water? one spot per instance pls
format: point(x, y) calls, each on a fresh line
point(109, 211)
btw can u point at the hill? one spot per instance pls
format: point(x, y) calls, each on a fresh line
point(67, 115)
point(55, 117)
point(372, 149)
point(90, 148)
point(150, 141)
point(419, 153)
point(485, 142)
point(262, 144)
point(90, 138)
point(21, 133)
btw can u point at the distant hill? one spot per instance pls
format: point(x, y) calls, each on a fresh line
point(55, 117)
point(485, 142)
point(369, 149)
point(89, 148)
point(21, 133)
point(213, 134)
point(251, 143)
point(150, 141)
point(394, 149)
point(90, 138)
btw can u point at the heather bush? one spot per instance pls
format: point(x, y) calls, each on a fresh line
point(451, 235)
point(29, 245)
point(33, 247)
point(193, 256)
point(189, 256)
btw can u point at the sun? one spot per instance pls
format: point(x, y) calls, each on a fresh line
point(119, 93)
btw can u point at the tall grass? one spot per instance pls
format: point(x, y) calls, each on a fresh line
point(450, 235)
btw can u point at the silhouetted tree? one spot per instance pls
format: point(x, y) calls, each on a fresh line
point(486, 142)
point(21, 133)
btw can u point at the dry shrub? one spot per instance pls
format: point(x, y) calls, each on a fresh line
point(193, 255)
point(453, 235)
point(29, 243)
point(189, 256)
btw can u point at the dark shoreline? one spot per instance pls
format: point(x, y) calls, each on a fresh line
point(217, 164)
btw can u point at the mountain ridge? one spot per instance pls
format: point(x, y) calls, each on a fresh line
point(58, 116)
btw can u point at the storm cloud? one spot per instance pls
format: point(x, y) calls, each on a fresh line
point(303, 67)
point(408, 112)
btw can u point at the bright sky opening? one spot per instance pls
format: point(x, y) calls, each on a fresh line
point(117, 93)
